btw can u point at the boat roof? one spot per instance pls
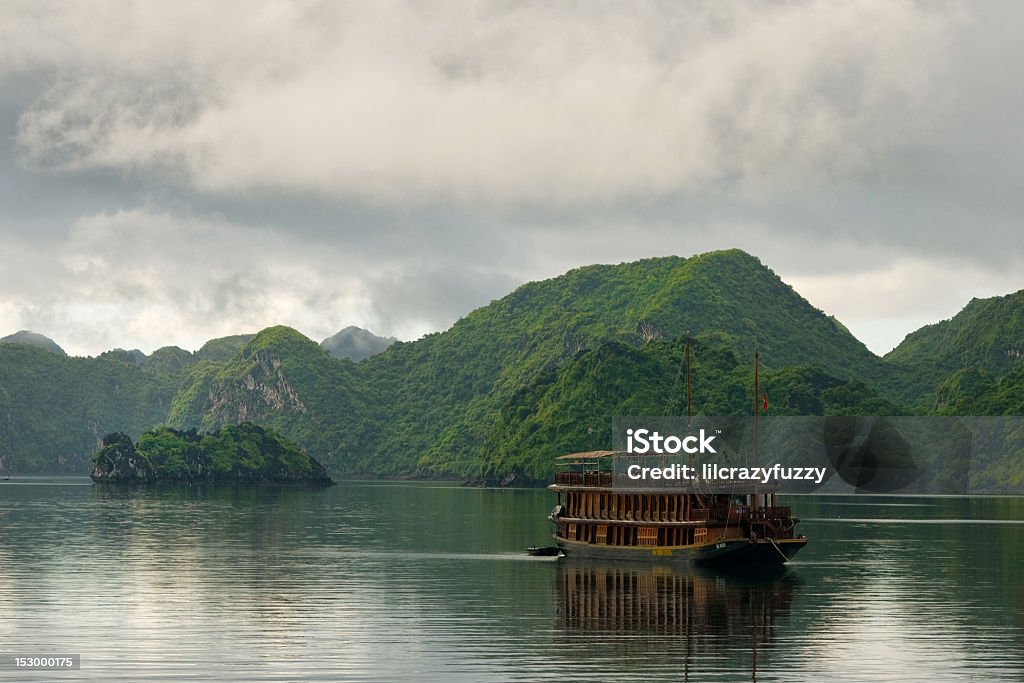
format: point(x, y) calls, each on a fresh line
point(590, 455)
point(594, 455)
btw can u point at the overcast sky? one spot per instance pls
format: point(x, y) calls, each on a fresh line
point(173, 172)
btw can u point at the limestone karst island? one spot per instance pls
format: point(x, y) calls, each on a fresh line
point(234, 454)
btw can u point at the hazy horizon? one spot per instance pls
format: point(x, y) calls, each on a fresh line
point(196, 347)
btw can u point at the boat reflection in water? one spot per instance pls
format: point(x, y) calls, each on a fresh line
point(693, 621)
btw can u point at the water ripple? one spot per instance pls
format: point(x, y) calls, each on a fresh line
point(372, 582)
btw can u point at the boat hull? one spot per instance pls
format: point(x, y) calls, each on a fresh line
point(730, 552)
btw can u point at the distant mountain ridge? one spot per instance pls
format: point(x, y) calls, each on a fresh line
point(535, 373)
point(355, 343)
point(33, 339)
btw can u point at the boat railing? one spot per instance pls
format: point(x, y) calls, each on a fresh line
point(772, 513)
point(583, 478)
point(736, 513)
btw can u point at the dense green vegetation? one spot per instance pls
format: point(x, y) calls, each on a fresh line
point(568, 408)
point(534, 374)
point(446, 392)
point(237, 454)
point(986, 339)
point(54, 409)
point(223, 349)
point(286, 381)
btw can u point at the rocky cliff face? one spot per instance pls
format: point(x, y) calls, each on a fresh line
point(255, 387)
point(265, 389)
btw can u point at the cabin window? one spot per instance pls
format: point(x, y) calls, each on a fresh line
point(700, 534)
point(648, 535)
point(602, 534)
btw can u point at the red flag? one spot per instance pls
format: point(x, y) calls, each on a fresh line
point(764, 406)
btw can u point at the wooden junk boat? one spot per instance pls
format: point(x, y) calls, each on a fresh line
point(595, 519)
point(703, 522)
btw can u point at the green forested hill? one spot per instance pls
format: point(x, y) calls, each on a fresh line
point(538, 372)
point(953, 362)
point(445, 392)
point(284, 380)
point(567, 409)
point(54, 409)
point(32, 339)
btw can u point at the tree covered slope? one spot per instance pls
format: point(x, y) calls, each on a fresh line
point(951, 364)
point(535, 373)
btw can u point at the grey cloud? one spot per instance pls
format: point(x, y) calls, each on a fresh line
point(488, 104)
point(427, 298)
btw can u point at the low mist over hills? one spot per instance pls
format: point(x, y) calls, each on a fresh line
point(532, 375)
point(33, 339)
point(355, 343)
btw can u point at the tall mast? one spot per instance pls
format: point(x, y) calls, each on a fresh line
point(757, 411)
point(689, 417)
point(689, 394)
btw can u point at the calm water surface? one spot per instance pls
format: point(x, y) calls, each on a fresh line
point(383, 581)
